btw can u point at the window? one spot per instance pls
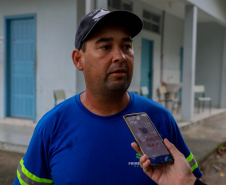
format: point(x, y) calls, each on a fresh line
point(120, 5)
point(152, 22)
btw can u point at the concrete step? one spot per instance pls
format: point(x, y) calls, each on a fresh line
point(13, 147)
point(15, 134)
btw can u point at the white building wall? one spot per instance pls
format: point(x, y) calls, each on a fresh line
point(223, 75)
point(56, 22)
point(80, 81)
point(173, 41)
point(55, 38)
point(215, 8)
point(209, 59)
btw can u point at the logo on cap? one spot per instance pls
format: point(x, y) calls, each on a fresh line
point(100, 14)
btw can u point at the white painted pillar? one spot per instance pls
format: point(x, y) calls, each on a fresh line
point(190, 31)
point(223, 76)
point(102, 4)
point(90, 5)
point(95, 4)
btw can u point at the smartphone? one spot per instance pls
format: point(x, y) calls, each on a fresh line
point(148, 139)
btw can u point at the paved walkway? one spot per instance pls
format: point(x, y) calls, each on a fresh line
point(204, 137)
point(15, 134)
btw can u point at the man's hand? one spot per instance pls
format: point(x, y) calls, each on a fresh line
point(178, 173)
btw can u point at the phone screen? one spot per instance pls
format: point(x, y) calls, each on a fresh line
point(148, 138)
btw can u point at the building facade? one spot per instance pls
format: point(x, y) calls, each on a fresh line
point(183, 41)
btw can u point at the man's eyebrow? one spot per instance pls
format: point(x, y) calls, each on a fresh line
point(128, 39)
point(104, 39)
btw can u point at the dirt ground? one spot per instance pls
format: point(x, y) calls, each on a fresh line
point(214, 169)
point(8, 166)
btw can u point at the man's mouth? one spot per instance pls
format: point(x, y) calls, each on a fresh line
point(119, 72)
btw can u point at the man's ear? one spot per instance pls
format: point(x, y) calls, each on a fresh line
point(77, 59)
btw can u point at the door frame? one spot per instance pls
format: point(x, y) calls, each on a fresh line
point(7, 20)
point(181, 71)
point(151, 66)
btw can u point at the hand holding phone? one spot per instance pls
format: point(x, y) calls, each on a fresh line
point(177, 173)
point(148, 139)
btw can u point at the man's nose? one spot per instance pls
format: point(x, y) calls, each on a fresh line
point(119, 56)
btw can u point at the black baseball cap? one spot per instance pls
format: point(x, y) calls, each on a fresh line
point(100, 17)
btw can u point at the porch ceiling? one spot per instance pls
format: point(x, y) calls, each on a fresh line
point(177, 8)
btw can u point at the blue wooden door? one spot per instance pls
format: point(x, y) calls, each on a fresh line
point(22, 68)
point(146, 65)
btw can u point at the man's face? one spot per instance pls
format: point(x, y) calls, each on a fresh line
point(108, 60)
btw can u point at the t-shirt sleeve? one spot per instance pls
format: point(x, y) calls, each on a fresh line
point(177, 139)
point(34, 166)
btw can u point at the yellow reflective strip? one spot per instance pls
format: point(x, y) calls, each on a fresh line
point(20, 180)
point(194, 167)
point(190, 157)
point(32, 176)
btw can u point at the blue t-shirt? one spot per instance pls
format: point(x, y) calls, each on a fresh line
point(71, 145)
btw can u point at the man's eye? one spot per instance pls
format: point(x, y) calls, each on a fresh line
point(105, 47)
point(127, 46)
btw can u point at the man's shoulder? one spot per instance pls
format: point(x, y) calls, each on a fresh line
point(58, 112)
point(149, 103)
point(157, 112)
point(62, 107)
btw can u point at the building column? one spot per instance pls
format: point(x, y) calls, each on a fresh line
point(190, 31)
point(95, 4)
point(102, 4)
point(90, 6)
point(223, 76)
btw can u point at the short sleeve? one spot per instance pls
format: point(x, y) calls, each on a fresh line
point(34, 166)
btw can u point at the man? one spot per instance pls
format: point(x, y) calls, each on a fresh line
point(84, 140)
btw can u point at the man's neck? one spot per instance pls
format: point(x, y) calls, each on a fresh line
point(105, 105)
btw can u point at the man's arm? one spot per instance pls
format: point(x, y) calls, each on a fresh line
point(178, 173)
